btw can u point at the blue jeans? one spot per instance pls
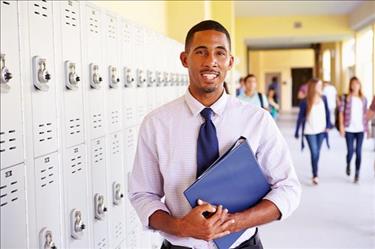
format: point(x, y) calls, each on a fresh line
point(315, 144)
point(358, 137)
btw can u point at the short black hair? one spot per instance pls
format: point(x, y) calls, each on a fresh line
point(206, 25)
point(249, 76)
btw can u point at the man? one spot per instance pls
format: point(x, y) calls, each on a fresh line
point(251, 95)
point(180, 139)
point(330, 92)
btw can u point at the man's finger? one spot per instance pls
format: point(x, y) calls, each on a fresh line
point(222, 234)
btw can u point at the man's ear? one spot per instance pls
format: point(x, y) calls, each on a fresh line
point(231, 62)
point(183, 58)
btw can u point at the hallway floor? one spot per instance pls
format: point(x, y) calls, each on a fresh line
point(335, 214)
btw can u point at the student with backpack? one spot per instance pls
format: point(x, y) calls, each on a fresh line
point(251, 95)
point(314, 121)
point(353, 124)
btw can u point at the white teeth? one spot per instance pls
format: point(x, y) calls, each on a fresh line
point(209, 76)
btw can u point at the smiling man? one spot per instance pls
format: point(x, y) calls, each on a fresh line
point(179, 140)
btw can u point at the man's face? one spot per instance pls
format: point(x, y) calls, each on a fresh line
point(251, 84)
point(208, 59)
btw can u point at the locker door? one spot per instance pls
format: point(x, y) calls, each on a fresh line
point(112, 76)
point(11, 134)
point(76, 213)
point(129, 98)
point(13, 207)
point(117, 189)
point(100, 198)
point(43, 78)
point(94, 70)
point(47, 195)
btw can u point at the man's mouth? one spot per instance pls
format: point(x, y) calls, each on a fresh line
point(209, 76)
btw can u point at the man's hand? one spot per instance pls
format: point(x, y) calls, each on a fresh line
point(195, 225)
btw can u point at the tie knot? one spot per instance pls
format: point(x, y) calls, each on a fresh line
point(206, 113)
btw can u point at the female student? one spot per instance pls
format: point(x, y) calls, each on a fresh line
point(314, 121)
point(353, 123)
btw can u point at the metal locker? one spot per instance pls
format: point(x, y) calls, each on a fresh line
point(113, 72)
point(93, 70)
point(76, 214)
point(68, 70)
point(117, 189)
point(42, 79)
point(13, 207)
point(100, 198)
point(11, 133)
point(129, 98)
point(47, 204)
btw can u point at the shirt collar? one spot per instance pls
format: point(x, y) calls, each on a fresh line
point(196, 107)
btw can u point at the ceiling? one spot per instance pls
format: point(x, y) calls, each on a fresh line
point(288, 8)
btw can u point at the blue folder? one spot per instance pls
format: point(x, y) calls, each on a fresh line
point(235, 181)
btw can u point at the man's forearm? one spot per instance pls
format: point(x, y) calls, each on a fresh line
point(264, 212)
point(162, 221)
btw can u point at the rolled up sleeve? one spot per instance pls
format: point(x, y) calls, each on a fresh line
point(276, 163)
point(145, 189)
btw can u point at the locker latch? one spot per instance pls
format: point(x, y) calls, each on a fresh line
point(151, 78)
point(117, 193)
point(40, 73)
point(72, 79)
point(159, 78)
point(46, 239)
point(129, 77)
point(6, 76)
point(100, 207)
point(77, 225)
point(141, 79)
point(95, 78)
point(113, 77)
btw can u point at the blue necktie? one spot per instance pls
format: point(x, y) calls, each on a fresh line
point(208, 146)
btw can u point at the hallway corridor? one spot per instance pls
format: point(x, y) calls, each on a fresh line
point(334, 214)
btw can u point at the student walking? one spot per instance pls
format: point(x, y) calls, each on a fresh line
point(353, 124)
point(314, 121)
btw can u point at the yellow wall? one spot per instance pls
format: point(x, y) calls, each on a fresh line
point(269, 61)
point(149, 13)
point(282, 26)
point(182, 15)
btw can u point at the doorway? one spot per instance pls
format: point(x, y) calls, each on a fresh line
point(300, 76)
point(268, 77)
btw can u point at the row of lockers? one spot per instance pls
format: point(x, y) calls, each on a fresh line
point(76, 81)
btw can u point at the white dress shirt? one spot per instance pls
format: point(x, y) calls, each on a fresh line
point(166, 158)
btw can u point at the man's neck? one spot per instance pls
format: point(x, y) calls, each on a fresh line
point(206, 99)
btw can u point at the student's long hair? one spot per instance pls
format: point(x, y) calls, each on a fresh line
point(311, 92)
point(360, 93)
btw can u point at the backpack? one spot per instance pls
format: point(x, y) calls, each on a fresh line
point(337, 113)
point(261, 99)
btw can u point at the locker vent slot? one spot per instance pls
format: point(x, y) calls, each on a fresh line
point(97, 120)
point(102, 244)
point(112, 29)
point(40, 8)
point(115, 117)
point(93, 22)
point(7, 141)
point(118, 230)
point(74, 126)
point(115, 146)
point(9, 192)
point(71, 15)
point(45, 132)
point(47, 175)
point(76, 161)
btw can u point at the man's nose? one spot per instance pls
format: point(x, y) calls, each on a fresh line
point(210, 60)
